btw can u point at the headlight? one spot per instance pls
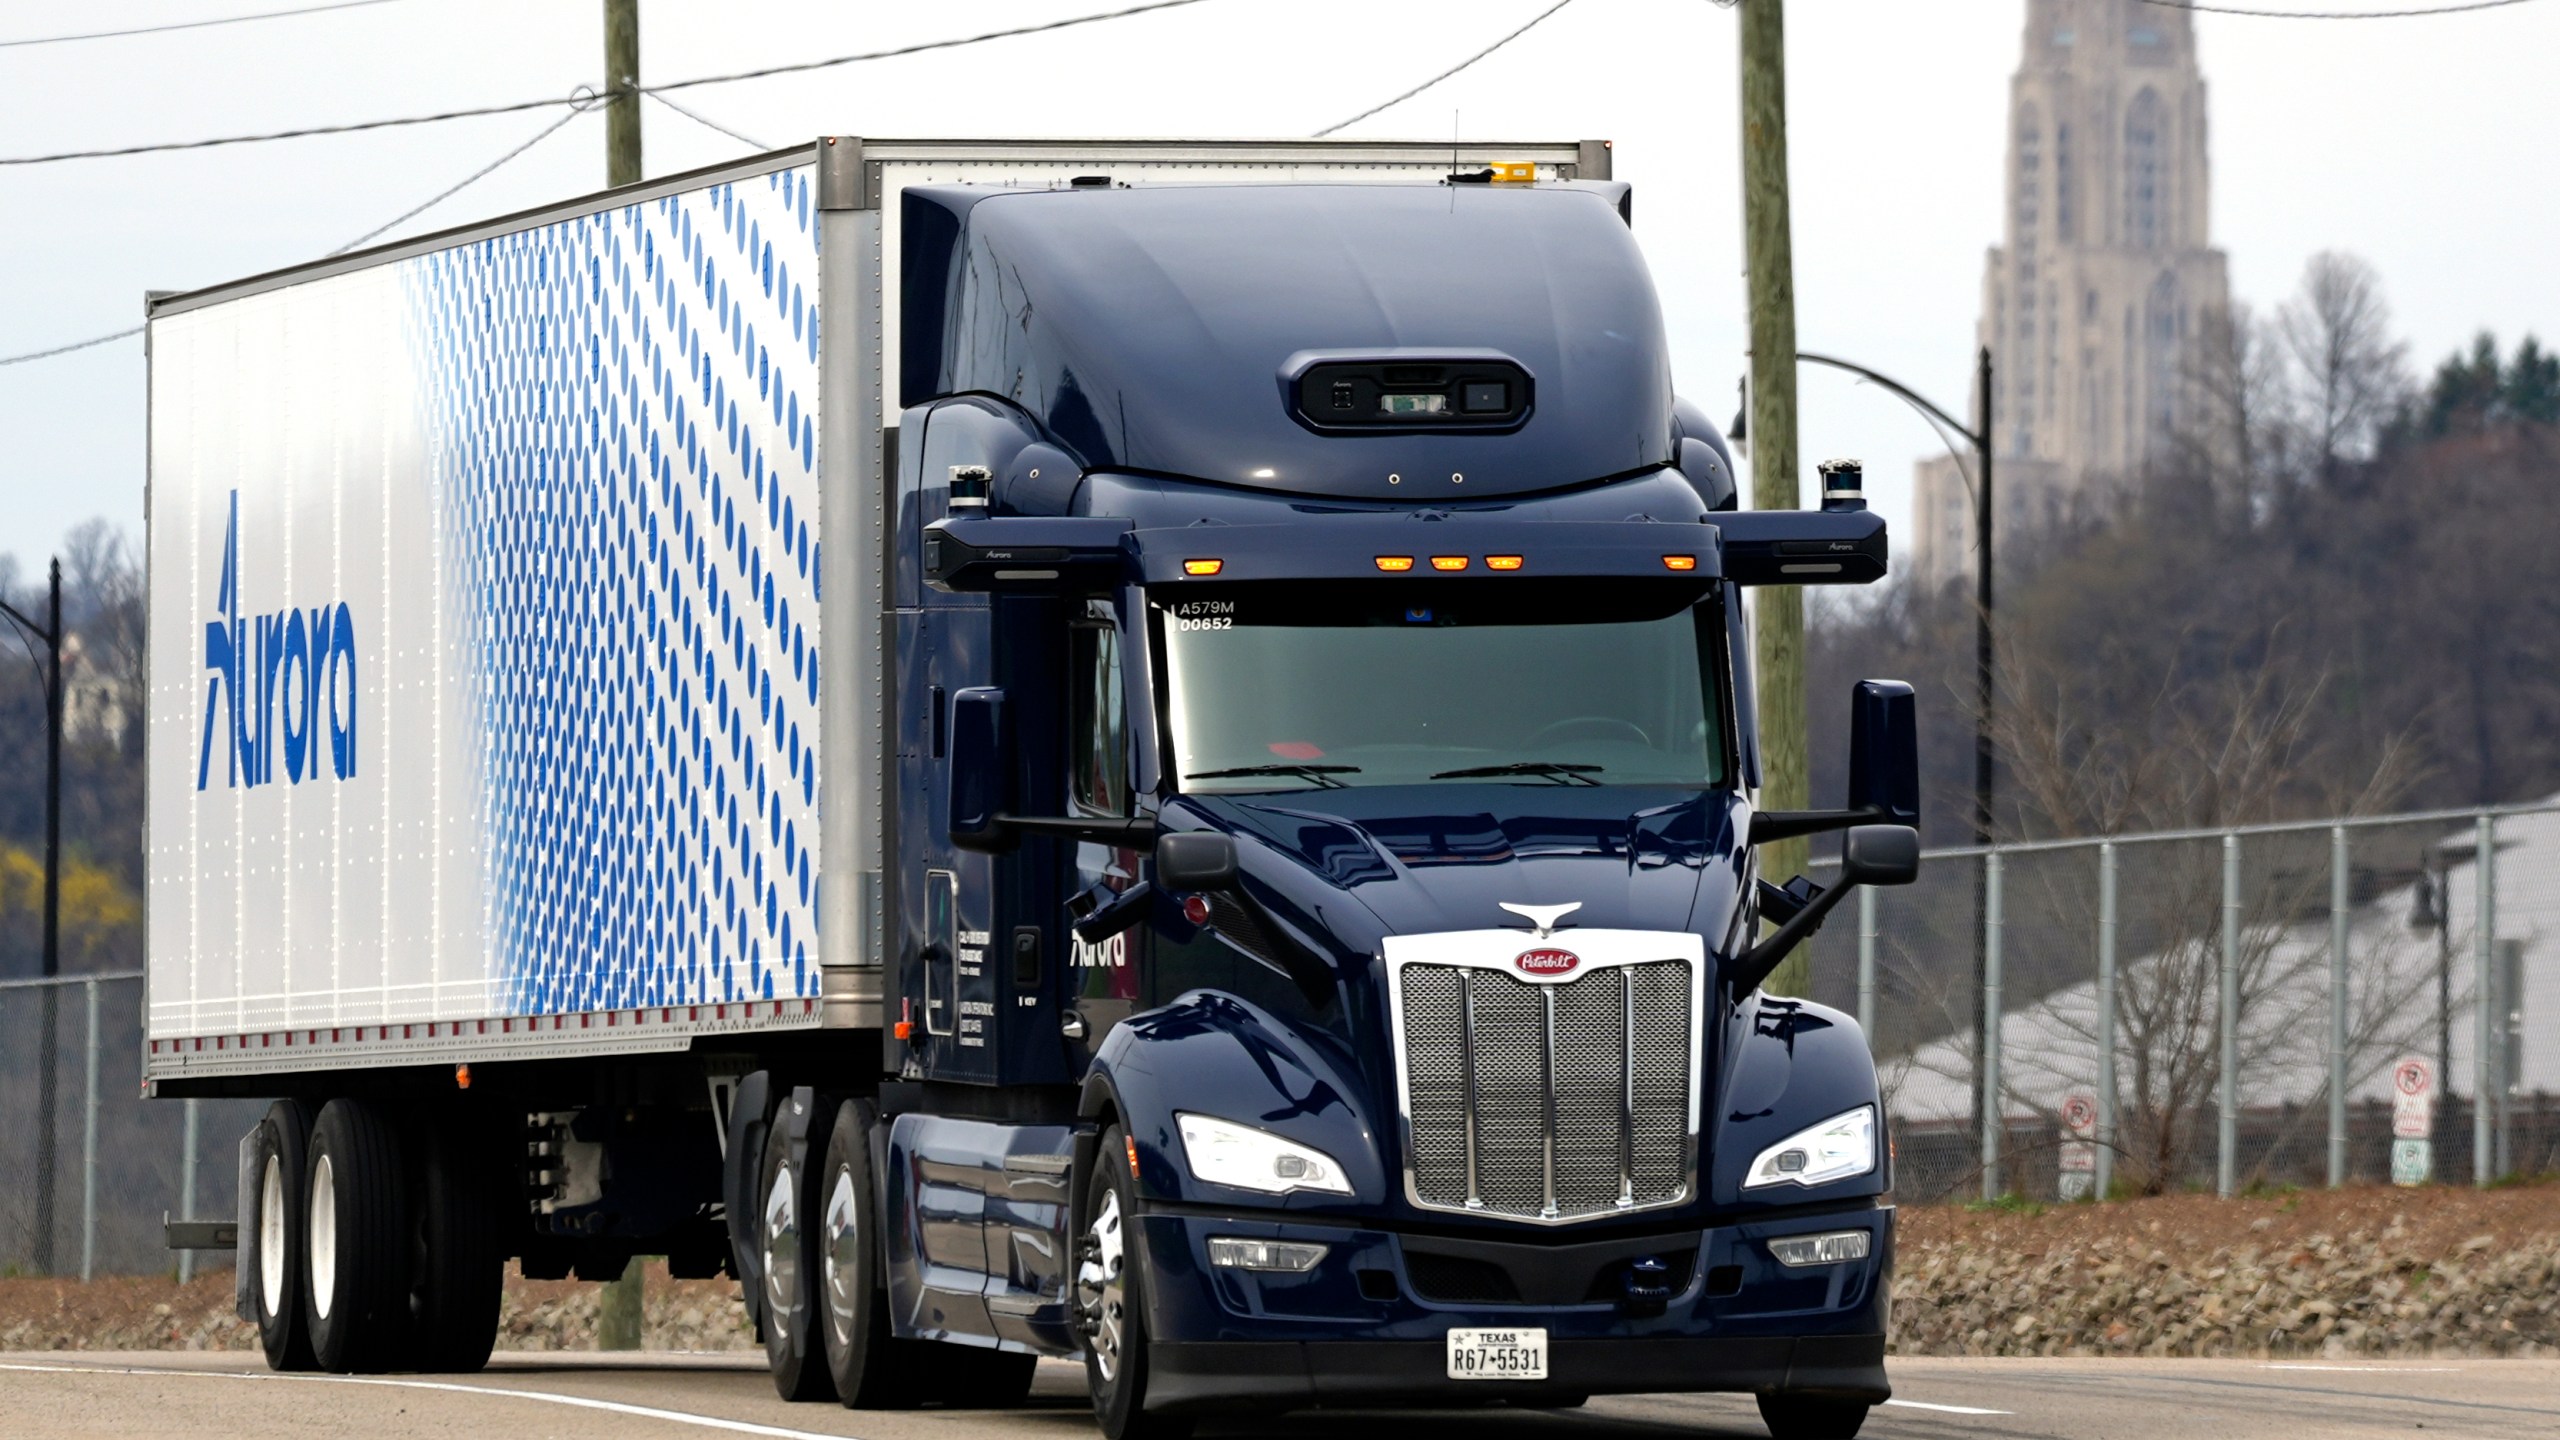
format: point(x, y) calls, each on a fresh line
point(1225, 1153)
point(1837, 1149)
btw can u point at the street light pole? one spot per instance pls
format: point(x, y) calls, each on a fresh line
point(1979, 436)
point(48, 1044)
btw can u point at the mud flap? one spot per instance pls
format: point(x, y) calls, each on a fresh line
point(750, 1115)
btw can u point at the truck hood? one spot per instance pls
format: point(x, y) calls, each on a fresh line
point(1423, 859)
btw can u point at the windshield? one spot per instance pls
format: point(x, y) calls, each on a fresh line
point(1287, 687)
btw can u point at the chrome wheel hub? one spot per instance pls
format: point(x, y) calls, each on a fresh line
point(842, 1258)
point(1102, 1290)
point(781, 1248)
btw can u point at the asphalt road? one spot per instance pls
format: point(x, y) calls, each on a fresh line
point(695, 1397)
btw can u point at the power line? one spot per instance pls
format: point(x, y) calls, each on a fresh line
point(67, 349)
point(2455, 9)
point(475, 177)
point(520, 105)
point(191, 24)
point(467, 181)
point(707, 122)
point(1445, 74)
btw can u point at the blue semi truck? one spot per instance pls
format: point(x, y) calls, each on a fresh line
point(1135, 750)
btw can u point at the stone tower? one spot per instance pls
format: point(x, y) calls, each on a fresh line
point(2100, 304)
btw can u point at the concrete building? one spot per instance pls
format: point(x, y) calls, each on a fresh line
point(2099, 306)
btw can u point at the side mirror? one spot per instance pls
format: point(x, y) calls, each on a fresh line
point(1879, 855)
point(1884, 754)
point(981, 774)
point(1195, 860)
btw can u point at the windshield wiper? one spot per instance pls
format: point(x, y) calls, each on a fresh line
point(1321, 776)
point(1559, 772)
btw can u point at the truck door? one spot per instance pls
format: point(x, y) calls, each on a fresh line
point(1101, 978)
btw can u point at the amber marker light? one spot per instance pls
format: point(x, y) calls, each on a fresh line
point(1502, 562)
point(1448, 562)
point(461, 1077)
point(1395, 564)
point(1679, 562)
point(1203, 567)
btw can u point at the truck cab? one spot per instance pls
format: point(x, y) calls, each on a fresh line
point(1326, 930)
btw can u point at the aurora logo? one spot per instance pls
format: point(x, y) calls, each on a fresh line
point(274, 679)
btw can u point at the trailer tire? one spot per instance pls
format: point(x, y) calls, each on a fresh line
point(1111, 1299)
point(357, 1259)
point(788, 1202)
point(275, 1244)
point(460, 1261)
point(1811, 1417)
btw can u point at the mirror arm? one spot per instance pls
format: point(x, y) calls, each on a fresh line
point(1768, 825)
point(1757, 962)
point(1138, 834)
point(1118, 913)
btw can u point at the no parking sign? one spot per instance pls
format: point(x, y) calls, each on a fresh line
point(2413, 1112)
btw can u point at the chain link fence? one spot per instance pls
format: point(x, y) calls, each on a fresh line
point(88, 1168)
point(2353, 1000)
point(2213, 1010)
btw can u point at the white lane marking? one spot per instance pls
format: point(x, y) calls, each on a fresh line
point(2374, 1369)
point(645, 1412)
point(1946, 1409)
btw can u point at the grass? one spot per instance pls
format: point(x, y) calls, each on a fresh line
point(2010, 1203)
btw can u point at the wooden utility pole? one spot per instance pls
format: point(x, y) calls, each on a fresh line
point(622, 92)
point(620, 1308)
point(1769, 253)
point(48, 1040)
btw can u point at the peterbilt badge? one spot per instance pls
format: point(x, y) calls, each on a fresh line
point(1546, 962)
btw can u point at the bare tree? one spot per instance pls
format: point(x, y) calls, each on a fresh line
point(2351, 375)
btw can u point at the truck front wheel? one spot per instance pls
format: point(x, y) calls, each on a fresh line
point(1811, 1417)
point(1110, 1303)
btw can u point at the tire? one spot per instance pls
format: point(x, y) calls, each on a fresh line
point(277, 1200)
point(1811, 1417)
point(1111, 1301)
point(357, 1221)
point(871, 1369)
point(788, 1200)
point(459, 1260)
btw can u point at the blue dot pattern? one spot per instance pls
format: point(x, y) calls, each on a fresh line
point(621, 416)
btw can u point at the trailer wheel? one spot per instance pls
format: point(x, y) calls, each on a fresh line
point(276, 1244)
point(460, 1262)
point(787, 1230)
point(1811, 1417)
point(357, 1220)
point(1111, 1305)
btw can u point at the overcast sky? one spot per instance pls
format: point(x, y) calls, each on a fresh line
point(2426, 146)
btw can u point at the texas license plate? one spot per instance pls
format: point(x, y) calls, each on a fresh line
point(1497, 1354)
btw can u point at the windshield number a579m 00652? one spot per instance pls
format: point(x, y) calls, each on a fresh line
point(1205, 615)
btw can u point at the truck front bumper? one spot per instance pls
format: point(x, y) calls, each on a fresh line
point(1369, 1323)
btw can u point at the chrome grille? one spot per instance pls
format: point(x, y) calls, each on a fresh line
point(1547, 1101)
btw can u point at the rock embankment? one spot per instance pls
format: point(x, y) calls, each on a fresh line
point(2363, 1272)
